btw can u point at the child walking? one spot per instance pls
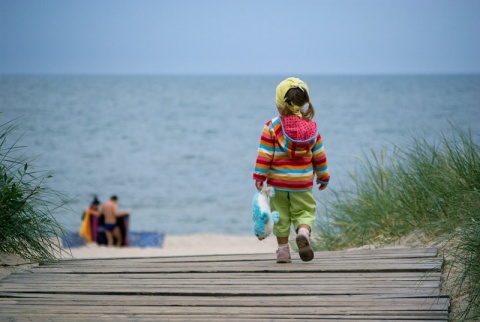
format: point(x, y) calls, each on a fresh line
point(291, 152)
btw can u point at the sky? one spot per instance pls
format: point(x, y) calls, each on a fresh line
point(239, 37)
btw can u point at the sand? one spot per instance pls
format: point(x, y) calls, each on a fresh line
point(199, 244)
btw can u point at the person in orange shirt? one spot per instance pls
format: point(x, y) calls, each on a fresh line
point(86, 228)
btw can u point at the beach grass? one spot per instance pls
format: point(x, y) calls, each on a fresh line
point(28, 227)
point(427, 188)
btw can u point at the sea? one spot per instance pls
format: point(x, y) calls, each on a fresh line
point(179, 151)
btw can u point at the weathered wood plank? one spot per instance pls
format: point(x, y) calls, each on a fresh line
point(233, 278)
point(355, 254)
point(319, 256)
point(274, 300)
point(212, 310)
point(379, 265)
point(227, 301)
point(201, 283)
point(390, 276)
point(347, 266)
point(231, 318)
point(224, 290)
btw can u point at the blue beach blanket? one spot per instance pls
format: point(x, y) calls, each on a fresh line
point(135, 239)
point(145, 239)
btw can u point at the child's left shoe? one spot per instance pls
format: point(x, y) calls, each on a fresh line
point(283, 255)
point(304, 248)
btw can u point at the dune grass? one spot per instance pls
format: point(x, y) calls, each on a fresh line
point(427, 187)
point(28, 228)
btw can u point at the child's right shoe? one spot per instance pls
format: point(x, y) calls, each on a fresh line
point(283, 255)
point(304, 248)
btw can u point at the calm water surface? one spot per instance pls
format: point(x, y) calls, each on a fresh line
point(179, 151)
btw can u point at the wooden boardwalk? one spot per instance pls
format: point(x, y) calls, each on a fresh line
point(361, 285)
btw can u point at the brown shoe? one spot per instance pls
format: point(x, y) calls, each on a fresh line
point(304, 248)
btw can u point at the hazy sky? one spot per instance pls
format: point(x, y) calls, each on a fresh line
point(239, 37)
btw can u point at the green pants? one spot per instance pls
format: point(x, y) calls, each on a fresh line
point(295, 208)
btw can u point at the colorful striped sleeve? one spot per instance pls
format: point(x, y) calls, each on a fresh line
point(264, 154)
point(320, 161)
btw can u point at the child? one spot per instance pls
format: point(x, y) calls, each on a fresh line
point(290, 153)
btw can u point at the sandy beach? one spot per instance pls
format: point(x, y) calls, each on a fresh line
point(198, 244)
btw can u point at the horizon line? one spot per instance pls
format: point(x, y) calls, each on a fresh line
point(243, 74)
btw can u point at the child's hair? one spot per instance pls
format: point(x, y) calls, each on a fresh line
point(298, 97)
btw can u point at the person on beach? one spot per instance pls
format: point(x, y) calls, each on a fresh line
point(291, 152)
point(86, 226)
point(111, 213)
point(93, 209)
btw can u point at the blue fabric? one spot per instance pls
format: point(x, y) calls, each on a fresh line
point(135, 239)
point(72, 240)
point(146, 239)
point(110, 227)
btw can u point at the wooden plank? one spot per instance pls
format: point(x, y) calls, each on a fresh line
point(390, 276)
point(212, 310)
point(233, 278)
point(237, 290)
point(346, 266)
point(379, 265)
point(358, 254)
point(220, 318)
point(201, 283)
point(274, 301)
point(355, 256)
point(328, 256)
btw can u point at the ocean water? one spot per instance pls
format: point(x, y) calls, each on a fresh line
point(179, 151)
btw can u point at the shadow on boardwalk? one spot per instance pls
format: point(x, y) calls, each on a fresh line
point(401, 284)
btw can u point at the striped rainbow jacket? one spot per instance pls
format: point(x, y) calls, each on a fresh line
point(291, 151)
